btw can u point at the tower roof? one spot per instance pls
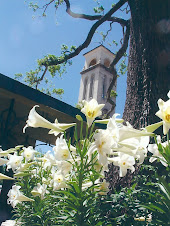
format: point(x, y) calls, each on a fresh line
point(100, 46)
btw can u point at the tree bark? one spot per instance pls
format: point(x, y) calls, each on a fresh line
point(148, 76)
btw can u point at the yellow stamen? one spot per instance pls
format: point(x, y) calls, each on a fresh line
point(90, 114)
point(167, 117)
point(100, 145)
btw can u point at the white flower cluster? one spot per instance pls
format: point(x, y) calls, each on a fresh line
point(124, 145)
point(54, 166)
point(119, 144)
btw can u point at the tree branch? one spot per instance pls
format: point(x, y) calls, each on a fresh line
point(92, 17)
point(108, 98)
point(119, 20)
point(41, 78)
point(46, 6)
point(89, 36)
point(107, 33)
point(118, 56)
point(123, 48)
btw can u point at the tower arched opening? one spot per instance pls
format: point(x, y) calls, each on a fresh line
point(85, 89)
point(104, 87)
point(106, 62)
point(92, 62)
point(91, 87)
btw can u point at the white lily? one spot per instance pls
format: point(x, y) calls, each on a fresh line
point(137, 147)
point(16, 196)
point(153, 148)
point(29, 153)
point(125, 162)
point(58, 180)
point(128, 146)
point(3, 161)
point(48, 160)
point(62, 126)
point(141, 151)
point(4, 177)
point(14, 161)
point(91, 110)
point(24, 166)
point(65, 166)
point(103, 143)
point(61, 150)
point(35, 120)
point(113, 129)
point(164, 113)
point(126, 132)
point(40, 190)
point(7, 152)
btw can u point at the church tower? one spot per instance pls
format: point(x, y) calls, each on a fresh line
point(96, 77)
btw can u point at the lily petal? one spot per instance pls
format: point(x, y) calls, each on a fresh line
point(4, 177)
point(23, 198)
point(3, 161)
point(151, 128)
point(65, 126)
point(7, 152)
point(126, 132)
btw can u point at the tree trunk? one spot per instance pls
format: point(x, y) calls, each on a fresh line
point(149, 60)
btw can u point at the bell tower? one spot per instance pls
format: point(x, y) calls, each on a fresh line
point(96, 77)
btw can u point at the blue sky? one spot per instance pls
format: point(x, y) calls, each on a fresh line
point(23, 40)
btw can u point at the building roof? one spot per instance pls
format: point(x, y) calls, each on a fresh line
point(22, 98)
point(19, 89)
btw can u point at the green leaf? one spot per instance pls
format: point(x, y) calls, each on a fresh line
point(153, 207)
point(164, 186)
point(74, 186)
point(70, 195)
